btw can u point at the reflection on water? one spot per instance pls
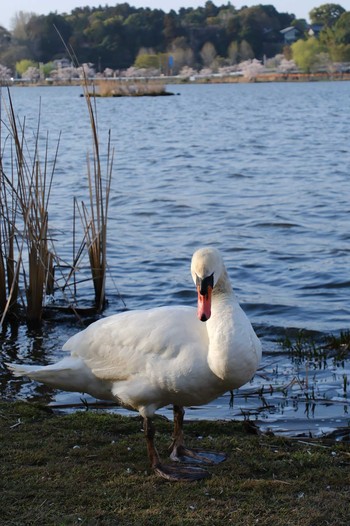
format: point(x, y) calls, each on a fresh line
point(252, 169)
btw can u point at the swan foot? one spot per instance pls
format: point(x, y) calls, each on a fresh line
point(181, 473)
point(197, 456)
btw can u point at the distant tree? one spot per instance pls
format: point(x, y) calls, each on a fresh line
point(251, 69)
point(19, 25)
point(300, 24)
point(147, 61)
point(326, 14)
point(171, 28)
point(245, 51)
point(210, 9)
point(46, 35)
point(47, 69)
point(208, 54)
point(32, 74)
point(342, 29)
point(5, 38)
point(233, 52)
point(23, 65)
point(187, 72)
point(182, 54)
point(5, 73)
point(306, 53)
point(337, 39)
point(260, 26)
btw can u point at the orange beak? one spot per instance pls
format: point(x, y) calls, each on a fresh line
point(204, 304)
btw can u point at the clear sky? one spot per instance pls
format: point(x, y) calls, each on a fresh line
point(9, 8)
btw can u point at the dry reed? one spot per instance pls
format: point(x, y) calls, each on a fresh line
point(130, 87)
point(28, 260)
point(94, 215)
point(25, 198)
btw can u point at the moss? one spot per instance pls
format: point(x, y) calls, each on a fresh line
point(91, 468)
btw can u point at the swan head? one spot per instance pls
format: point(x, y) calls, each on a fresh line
point(206, 268)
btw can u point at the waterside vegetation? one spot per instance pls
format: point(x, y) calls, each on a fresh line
point(31, 270)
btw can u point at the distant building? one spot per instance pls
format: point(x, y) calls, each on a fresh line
point(314, 30)
point(290, 34)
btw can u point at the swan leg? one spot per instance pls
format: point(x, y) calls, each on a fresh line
point(180, 453)
point(171, 473)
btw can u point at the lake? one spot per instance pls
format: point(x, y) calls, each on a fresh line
point(261, 171)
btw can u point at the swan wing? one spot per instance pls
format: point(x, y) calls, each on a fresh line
point(138, 342)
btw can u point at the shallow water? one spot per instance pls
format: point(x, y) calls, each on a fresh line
point(260, 171)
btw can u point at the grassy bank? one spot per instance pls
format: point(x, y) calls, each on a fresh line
point(92, 469)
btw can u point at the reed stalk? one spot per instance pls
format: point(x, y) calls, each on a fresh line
point(27, 256)
point(25, 198)
point(95, 215)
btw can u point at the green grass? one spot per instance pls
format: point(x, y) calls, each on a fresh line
point(91, 469)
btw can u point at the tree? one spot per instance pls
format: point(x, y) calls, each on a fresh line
point(147, 61)
point(23, 65)
point(337, 39)
point(251, 69)
point(5, 73)
point(208, 53)
point(326, 14)
point(46, 36)
point(19, 25)
point(182, 54)
point(245, 51)
point(342, 29)
point(306, 53)
point(233, 52)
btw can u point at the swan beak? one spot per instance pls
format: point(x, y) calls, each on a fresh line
point(204, 289)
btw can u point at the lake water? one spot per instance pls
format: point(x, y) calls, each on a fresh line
point(262, 171)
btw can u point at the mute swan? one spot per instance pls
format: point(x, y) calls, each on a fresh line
point(147, 359)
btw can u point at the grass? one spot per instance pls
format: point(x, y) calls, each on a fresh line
point(92, 469)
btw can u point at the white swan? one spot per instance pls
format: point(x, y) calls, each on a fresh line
point(147, 359)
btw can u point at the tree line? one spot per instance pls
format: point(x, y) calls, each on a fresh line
point(120, 36)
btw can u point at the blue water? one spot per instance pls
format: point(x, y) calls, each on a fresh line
point(261, 171)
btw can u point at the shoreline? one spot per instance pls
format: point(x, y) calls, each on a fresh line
point(212, 79)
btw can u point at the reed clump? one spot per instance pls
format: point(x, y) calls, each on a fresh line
point(94, 215)
point(25, 255)
point(131, 88)
point(29, 263)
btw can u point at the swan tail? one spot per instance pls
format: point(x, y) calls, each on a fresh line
point(70, 374)
point(60, 375)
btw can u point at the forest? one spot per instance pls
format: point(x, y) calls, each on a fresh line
point(120, 36)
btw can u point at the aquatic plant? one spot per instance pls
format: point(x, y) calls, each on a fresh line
point(304, 346)
point(28, 259)
point(24, 237)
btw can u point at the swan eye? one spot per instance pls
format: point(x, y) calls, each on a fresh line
point(204, 284)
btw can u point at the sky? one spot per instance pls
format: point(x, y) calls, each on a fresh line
point(9, 8)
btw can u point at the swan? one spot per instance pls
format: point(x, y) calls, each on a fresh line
point(173, 355)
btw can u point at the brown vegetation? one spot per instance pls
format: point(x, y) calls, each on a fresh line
point(28, 259)
point(131, 88)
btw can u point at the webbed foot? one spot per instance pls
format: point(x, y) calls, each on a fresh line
point(197, 456)
point(181, 473)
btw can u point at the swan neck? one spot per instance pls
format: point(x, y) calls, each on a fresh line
point(223, 286)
